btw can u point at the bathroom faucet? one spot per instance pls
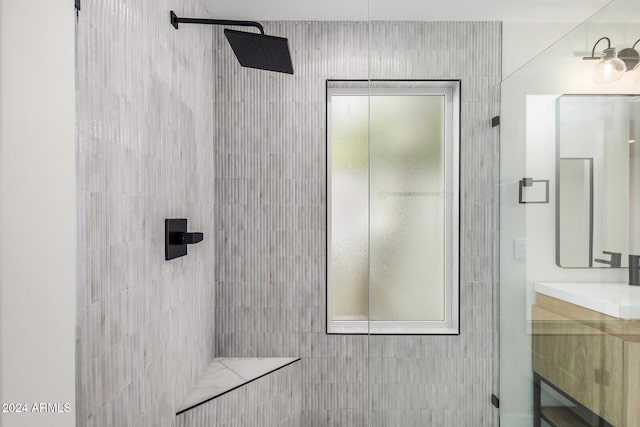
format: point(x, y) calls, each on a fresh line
point(634, 270)
point(615, 262)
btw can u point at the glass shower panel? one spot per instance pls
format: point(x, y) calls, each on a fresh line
point(565, 358)
point(424, 378)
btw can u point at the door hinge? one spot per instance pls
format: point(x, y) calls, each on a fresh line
point(495, 401)
point(495, 121)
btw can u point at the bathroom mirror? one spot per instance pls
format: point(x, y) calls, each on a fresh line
point(597, 180)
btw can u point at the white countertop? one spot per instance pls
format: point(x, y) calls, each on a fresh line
point(614, 299)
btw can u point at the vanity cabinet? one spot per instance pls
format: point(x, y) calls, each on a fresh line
point(591, 357)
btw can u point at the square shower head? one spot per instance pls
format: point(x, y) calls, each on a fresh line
point(260, 51)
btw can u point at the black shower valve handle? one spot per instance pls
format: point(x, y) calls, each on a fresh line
point(176, 238)
point(182, 238)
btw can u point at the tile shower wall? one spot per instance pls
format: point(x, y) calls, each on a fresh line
point(270, 223)
point(270, 216)
point(145, 153)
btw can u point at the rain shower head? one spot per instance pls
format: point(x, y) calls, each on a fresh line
point(253, 50)
point(260, 51)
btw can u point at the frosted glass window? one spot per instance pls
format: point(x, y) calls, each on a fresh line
point(392, 235)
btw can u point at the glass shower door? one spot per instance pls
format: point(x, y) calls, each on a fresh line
point(567, 354)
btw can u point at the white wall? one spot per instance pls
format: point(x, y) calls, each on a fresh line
point(524, 38)
point(37, 209)
point(523, 41)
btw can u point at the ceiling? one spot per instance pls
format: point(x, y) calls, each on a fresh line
point(407, 10)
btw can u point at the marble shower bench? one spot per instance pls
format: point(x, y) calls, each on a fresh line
point(243, 392)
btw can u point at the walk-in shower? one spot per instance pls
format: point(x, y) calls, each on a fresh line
point(253, 50)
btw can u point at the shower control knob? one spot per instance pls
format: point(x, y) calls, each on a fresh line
point(176, 238)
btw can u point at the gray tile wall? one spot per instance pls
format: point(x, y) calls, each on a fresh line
point(145, 154)
point(273, 400)
point(269, 143)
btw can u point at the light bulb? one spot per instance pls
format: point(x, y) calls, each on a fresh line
point(609, 68)
point(636, 74)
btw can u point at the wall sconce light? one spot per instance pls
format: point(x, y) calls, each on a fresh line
point(635, 66)
point(630, 56)
point(612, 66)
point(609, 68)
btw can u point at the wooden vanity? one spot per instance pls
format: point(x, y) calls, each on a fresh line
point(586, 346)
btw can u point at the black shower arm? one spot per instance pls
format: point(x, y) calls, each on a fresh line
point(175, 20)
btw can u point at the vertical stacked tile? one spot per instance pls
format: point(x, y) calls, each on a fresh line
point(144, 97)
point(271, 224)
point(270, 215)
